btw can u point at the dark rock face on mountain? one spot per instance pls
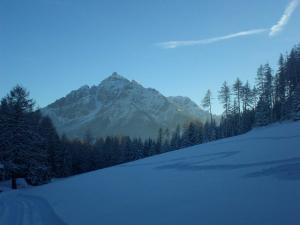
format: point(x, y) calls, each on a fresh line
point(118, 106)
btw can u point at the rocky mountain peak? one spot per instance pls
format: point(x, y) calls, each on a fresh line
point(114, 81)
point(118, 106)
point(115, 77)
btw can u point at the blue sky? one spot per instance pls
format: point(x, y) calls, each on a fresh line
point(54, 46)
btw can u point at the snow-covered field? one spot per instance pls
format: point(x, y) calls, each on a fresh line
point(252, 179)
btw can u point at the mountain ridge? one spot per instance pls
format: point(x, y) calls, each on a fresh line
point(118, 106)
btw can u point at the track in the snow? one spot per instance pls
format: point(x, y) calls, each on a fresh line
point(27, 210)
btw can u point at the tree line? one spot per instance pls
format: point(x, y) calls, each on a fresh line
point(274, 97)
point(31, 148)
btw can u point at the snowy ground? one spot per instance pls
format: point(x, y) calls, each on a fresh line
point(252, 179)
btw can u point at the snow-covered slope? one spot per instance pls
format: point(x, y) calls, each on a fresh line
point(118, 106)
point(252, 179)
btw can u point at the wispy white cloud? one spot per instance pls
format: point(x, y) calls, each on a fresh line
point(284, 18)
point(175, 44)
point(278, 27)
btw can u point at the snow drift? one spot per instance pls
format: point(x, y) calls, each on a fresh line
point(245, 180)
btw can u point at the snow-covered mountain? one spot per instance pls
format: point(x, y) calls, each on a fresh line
point(251, 179)
point(186, 104)
point(118, 106)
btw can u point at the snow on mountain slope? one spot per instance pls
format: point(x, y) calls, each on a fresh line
point(186, 104)
point(251, 179)
point(118, 106)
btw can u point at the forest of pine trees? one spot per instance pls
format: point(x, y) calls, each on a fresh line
point(31, 148)
point(274, 97)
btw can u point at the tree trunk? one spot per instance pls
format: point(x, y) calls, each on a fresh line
point(14, 182)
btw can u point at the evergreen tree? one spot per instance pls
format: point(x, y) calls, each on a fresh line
point(254, 96)
point(127, 148)
point(260, 80)
point(166, 141)
point(276, 104)
point(25, 152)
point(138, 148)
point(296, 103)
point(262, 115)
point(175, 142)
point(246, 97)
point(224, 97)
point(281, 88)
point(64, 167)
point(147, 147)
point(159, 141)
point(190, 135)
point(291, 72)
point(53, 145)
point(209, 131)
point(207, 103)
point(268, 85)
point(237, 90)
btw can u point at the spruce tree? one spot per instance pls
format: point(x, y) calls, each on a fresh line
point(246, 97)
point(237, 90)
point(159, 141)
point(175, 142)
point(268, 85)
point(53, 145)
point(207, 103)
point(281, 88)
point(25, 152)
point(296, 103)
point(262, 115)
point(224, 97)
